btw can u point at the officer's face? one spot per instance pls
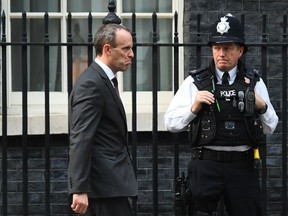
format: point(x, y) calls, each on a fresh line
point(226, 55)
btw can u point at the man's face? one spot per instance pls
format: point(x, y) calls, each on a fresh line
point(226, 55)
point(121, 54)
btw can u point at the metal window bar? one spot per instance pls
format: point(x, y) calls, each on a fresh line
point(264, 77)
point(4, 116)
point(284, 117)
point(24, 116)
point(155, 50)
point(47, 116)
point(134, 139)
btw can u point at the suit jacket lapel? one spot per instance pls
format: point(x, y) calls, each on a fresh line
point(109, 85)
point(116, 97)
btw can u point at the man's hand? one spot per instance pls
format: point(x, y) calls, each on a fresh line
point(202, 97)
point(80, 203)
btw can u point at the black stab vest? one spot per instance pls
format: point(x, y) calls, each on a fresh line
point(226, 124)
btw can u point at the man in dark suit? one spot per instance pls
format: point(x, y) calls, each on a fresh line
point(100, 174)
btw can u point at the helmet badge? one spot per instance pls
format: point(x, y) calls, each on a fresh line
point(223, 26)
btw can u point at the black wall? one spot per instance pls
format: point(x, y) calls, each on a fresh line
point(59, 163)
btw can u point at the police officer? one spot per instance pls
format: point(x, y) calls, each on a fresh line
point(228, 110)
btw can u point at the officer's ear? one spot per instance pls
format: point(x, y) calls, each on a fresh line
point(241, 51)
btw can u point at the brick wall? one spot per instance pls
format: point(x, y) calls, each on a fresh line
point(58, 175)
point(36, 175)
point(59, 163)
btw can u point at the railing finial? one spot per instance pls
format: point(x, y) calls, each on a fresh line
point(111, 16)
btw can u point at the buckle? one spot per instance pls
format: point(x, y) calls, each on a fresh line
point(200, 154)
point(197, 154)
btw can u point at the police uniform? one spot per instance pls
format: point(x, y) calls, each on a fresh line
point(224, 135)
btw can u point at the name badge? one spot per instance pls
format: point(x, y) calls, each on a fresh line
point(229, 93)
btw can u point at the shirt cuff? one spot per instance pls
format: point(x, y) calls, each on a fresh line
point(189, 117)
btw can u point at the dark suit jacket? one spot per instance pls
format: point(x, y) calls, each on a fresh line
point(99, 161)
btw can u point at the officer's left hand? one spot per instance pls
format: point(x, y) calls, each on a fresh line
point(202, 97)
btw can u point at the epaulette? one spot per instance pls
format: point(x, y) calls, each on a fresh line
point(202, 77)
point(196, 71)
point(252, 73)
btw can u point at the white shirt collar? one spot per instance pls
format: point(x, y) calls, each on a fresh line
point(106, 69)
point(232, 74)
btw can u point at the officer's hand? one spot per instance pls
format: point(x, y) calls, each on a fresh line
point(202, 97)
point(259, 102)
point(80, 203)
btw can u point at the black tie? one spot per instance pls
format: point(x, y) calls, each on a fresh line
point(115, 81)
point(225, 78)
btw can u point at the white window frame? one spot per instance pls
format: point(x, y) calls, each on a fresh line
point(59, 100)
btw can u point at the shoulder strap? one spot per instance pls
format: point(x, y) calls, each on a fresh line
point(253, 75)
point(202, 78)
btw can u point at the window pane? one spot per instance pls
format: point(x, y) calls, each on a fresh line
point(35, 5)
point(35, 62)
point(80, 57)
point(87, 5)
point(144, 56)
point(80, 52)
point(142, 6)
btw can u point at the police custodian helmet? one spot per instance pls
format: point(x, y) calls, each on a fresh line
point(227, 29)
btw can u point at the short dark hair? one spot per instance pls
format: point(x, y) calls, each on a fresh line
point(106, 35)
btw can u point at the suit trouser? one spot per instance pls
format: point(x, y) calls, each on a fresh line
point(236, 182)
point(119, 206)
